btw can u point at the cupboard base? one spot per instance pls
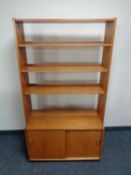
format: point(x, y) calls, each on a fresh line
point(70, 145)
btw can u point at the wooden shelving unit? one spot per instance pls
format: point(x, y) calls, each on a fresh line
point(64, 134)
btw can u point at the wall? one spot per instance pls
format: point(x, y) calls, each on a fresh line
point(119, 97)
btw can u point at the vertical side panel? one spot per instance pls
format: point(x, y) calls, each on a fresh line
point(101, 142)
point(19, 32)
point(106, 61)
point(22, 60)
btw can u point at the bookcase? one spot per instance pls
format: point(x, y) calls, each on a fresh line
point(64, 134)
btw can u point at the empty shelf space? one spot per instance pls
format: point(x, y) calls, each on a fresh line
point(65, 20)
point(64, 44)
point(46, 68)
point(63, 88)
point(64, 119)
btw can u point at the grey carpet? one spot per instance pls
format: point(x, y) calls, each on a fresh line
point(116, 159)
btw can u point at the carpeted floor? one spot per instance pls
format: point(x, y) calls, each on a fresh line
point(116, 159)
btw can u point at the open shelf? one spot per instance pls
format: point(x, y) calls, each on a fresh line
point(46, 68)
point(65, 44)
point(63, 88)
point(59, 119)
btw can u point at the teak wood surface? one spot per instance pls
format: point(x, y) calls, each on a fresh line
point(64, 134)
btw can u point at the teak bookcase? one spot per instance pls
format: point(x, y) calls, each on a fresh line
point(64, 134)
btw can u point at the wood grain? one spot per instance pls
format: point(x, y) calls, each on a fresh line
point(46, 144)
point(59, 119)
point(83, 143)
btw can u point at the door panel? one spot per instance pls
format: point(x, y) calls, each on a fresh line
point(83, 143)
point(46, 144)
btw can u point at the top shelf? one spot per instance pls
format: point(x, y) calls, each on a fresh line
point(65, 44)
point(65, 20)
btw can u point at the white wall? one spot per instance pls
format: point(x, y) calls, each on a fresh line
point(118, 111)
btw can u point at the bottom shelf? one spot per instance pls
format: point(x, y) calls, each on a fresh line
point(64, 119)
